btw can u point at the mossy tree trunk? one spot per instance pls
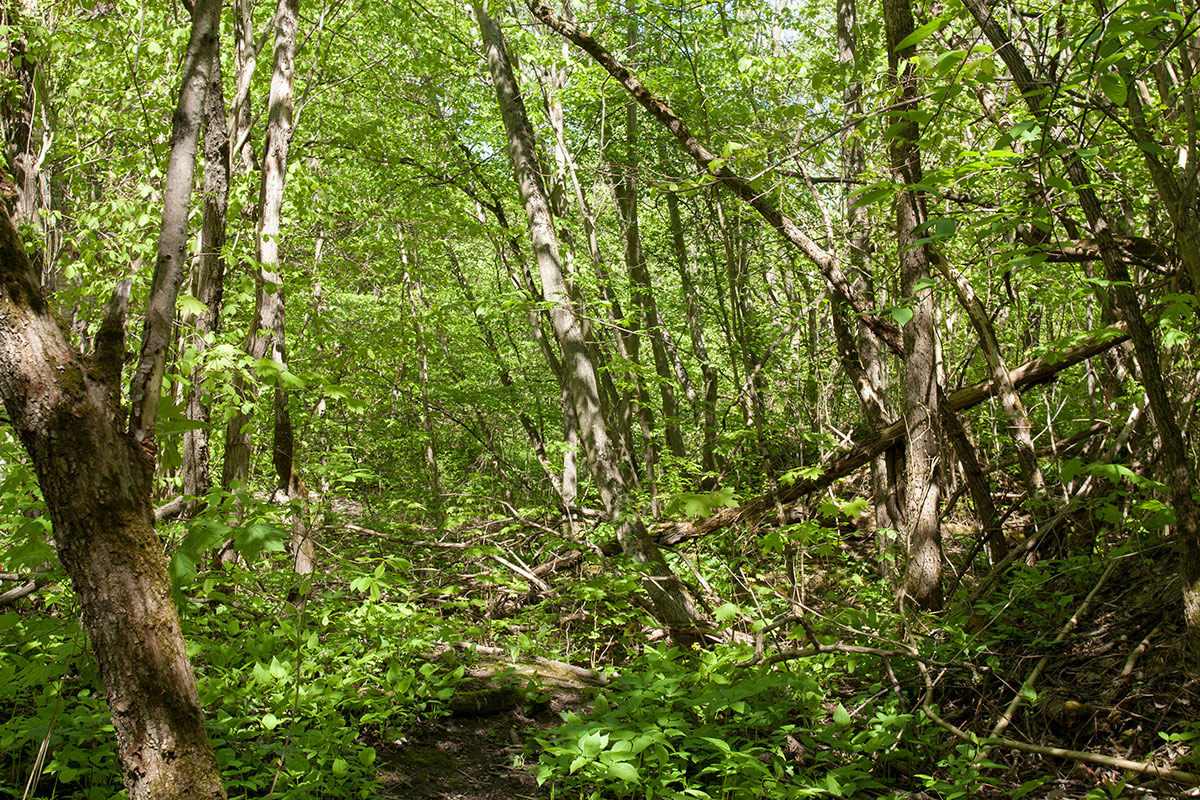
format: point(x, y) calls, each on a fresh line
point(97, 477)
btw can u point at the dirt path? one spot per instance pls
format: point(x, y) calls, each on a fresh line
point(479, 752)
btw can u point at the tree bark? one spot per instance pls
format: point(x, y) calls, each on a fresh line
point(25, 140)
point(695, 318)
point(922, 580)
point(863, 359)
point(641, 286)
point(672, 603)
point(97, 478)
point(1018, 421)
point(170, 268)
point(209, 282)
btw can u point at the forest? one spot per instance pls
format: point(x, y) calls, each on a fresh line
point(599, 399)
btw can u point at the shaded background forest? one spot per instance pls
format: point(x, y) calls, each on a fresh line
point(891, 323)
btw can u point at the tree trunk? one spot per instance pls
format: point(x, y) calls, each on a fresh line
point(923, 576)
point(97, 479)
point(695, 317)
point(245, 59)
point(170, 268)
point(763, 203)
point(209, 282)
point(672, 603)
point(1018, 421)
point(25, 140)
point(642, 288)
point(408, 261)
point(863, 360)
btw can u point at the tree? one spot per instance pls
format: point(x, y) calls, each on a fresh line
point(671, 600)
point(97, 476)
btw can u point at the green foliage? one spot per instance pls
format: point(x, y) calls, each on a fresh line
point(303, 695)
point(691, 504)
point(696, 724)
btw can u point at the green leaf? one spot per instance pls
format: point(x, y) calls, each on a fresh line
point(291, 380)
point(257, 537)
point(1114, 89)
point(841, 717)
point(872, 196)
point(727, 612)
point(190, 305)
point(270, 721)
point(1027, 787)
point(340, 767)
point(945, 228)
point(624, 771)
point(901, 314)
point(921, 34)
point(1056, 182)
point(366, 756)
point(591, 745)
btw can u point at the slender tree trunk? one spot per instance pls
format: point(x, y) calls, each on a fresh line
point(171, 265)
point(863, 359)
point(923, 577)
point(26, 140)
point(267, 337)
point(669, 596)
point(1018, 421)
point(97, 479)
point(642, 287)
point(408, 260)
point(245, 59)
point(695, 316)
point(209, 282)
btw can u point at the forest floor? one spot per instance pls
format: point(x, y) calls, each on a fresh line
point(465, 758)
point(1115, 684)
point(482, 754)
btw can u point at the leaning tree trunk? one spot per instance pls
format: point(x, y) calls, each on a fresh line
point(923, 577)
point(672, 603)
point(695, 316)
point(641, 287)
point(97, 478)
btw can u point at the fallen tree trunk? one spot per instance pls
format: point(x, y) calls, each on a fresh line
point(849, 459)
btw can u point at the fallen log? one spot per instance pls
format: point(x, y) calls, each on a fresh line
point(851, 458)
point(854, 456)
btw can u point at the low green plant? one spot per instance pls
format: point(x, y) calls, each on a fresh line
point(683, 724)
point(295, 702)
